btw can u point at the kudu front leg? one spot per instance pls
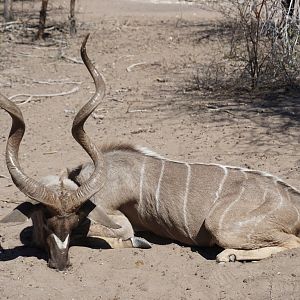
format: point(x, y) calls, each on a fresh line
point(122, 237)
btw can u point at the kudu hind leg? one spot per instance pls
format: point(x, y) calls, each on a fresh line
point(118, 238)
point(230, 255)
point(257, 254)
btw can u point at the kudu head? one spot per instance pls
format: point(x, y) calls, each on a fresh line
point(58, 209)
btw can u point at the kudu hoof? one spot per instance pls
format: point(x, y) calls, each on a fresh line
point(138, 242)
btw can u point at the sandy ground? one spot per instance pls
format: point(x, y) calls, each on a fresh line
point(153, 105)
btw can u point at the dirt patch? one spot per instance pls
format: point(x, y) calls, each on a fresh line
point(147, 53)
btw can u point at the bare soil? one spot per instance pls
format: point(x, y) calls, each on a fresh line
point(148, 54)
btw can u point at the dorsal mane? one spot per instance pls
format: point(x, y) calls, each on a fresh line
point(118, 147)
point(150, 153)
point(130, 148)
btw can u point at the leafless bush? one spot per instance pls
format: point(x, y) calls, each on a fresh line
point(213, 75)
point(8, 14)
point(264, 41)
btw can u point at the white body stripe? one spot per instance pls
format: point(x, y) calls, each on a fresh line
point(151, 153)
point(258, 219)
point(261, 218)
point(228, 208)
point(187, 185)
point(61, 244)
point(280, 204)
point(142, 180)
point(218, 192)
point(159, 183)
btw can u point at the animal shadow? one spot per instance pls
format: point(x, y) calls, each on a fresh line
point(23, 251)
point(208, 253)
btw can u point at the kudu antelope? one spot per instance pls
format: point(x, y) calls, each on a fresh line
point(251, 214)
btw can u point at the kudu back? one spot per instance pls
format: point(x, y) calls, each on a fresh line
point(251, 214)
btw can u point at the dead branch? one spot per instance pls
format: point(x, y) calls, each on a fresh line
point(10, 23)
point(74, 60)
point(49, 152)
point(129, 69)
point(71, 59)
point(30, 96)
point(57, 81)
point(27, 55)
point(117, 100)
point(134, 110)
point(11, 201)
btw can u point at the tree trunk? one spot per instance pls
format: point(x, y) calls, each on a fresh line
point(7, 11)
point(42, 22)
point(72, 18)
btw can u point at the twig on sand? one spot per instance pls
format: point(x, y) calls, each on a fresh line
point(30, 96)
point(74, 60)
point(129, 69)
point(28, 55)
point(11, 201)
point(57, 81)
point(117, 100)
point(3, 176)
point(10, 23)
point(50, 152)
point(71, 59)
point(134, 110)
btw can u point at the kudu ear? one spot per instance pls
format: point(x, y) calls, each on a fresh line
point(97, 214)
point(20, 214)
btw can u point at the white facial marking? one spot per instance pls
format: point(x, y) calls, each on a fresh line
point(61, 244)
point(187, 184)
point(159, 183)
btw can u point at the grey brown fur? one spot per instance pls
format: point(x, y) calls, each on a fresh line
point(198, 204)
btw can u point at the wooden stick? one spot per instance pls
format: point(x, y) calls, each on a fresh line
point(30, 96)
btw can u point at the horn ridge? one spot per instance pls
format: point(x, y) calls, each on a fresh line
point(25, 184)
point(95, 182)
